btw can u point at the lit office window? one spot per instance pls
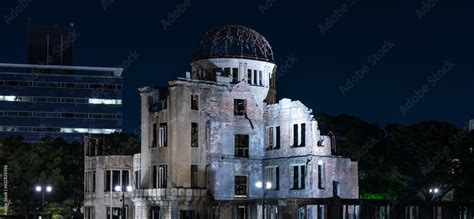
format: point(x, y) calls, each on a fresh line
point(8, 98)
point(105, 101)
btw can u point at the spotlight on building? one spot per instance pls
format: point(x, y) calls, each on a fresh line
point(118, 188)
point(38, 188)
point(129, 188)
point(259, 184)
point(49, 188)
point(268, 185)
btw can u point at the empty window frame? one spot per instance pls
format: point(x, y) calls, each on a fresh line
point(241, 146)
point(260, 78)
point(93, 180)
point(194, 102)
point(299, 175)
point(272, 174)
point(154, 136)
point(154, 177)
point(89, 213)
point(114, 178)
point(108, 183)
point(162, 176)
point(254, 77)
point(299, 135)
point(321, 175)
point(137, 179)
point(115, 212)
point(163, 135)
point(241, 186)
point(194, 176)
point(235, 75)
point(194, 135)
point(227, 72)
point(273, 138)
point(240, 106)
point(249, 76)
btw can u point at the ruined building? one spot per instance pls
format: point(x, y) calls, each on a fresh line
point(216, 144)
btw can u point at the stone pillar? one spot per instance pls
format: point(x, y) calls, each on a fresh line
point(145, 129)
point(140, 211)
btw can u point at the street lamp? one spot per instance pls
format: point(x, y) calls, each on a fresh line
point(43, 190)
point(433, 192)
point(123, 190)
point(259, 185)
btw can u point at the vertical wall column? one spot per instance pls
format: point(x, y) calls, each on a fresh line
point(145, 94)
point(140, 211)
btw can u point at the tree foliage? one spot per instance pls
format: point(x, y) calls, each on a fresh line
point(54, 162)
point(405, 162)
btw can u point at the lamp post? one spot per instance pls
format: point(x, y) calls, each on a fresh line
point(433, 192)
point(268, 185)
point(43, 190)
point(123, 190)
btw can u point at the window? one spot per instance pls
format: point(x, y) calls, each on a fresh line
point(242, 212)
point(153, 137)
point(235, 75)
point(321, 175)
point(335, 186)
point(194, 176)
point(226, 72)
point(125, 179)
point(107, 185)
point(163, 135)
point(163, 176)
point(273, 135)
point(260, 78)
point(303, 135)
point(240, 107)
point(137, 179)
point(160, 176)
point(89, 213)
point(254, 77)
point(113, 213)
point(272, 174)
point(249, 76)
point(154, 178)
point(194, 135)
point(187, 214)
point(241, 146)
point(154, 212)
point(241, 186)
point(113, 178)
point(299, 176)
point(93, 180)
point(295, 135)
point(194, 102)
point(299, 135)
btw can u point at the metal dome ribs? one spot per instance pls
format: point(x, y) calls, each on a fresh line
point(233, 41)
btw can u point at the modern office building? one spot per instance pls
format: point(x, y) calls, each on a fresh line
point(38, 101)
point(216, 144)
point(51, 45)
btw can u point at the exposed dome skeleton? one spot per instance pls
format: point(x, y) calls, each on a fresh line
point(233, 41)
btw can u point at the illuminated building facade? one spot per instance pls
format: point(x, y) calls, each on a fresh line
point(69, 103)
point(216, 143)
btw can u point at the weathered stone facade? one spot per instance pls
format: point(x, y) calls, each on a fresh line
point(210, 137)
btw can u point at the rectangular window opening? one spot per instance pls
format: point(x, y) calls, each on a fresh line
point(194, 135)
point(241, 146)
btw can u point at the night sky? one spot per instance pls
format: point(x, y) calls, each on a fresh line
point(411, 47)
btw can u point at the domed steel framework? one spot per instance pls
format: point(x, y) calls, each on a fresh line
point(234, 41)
